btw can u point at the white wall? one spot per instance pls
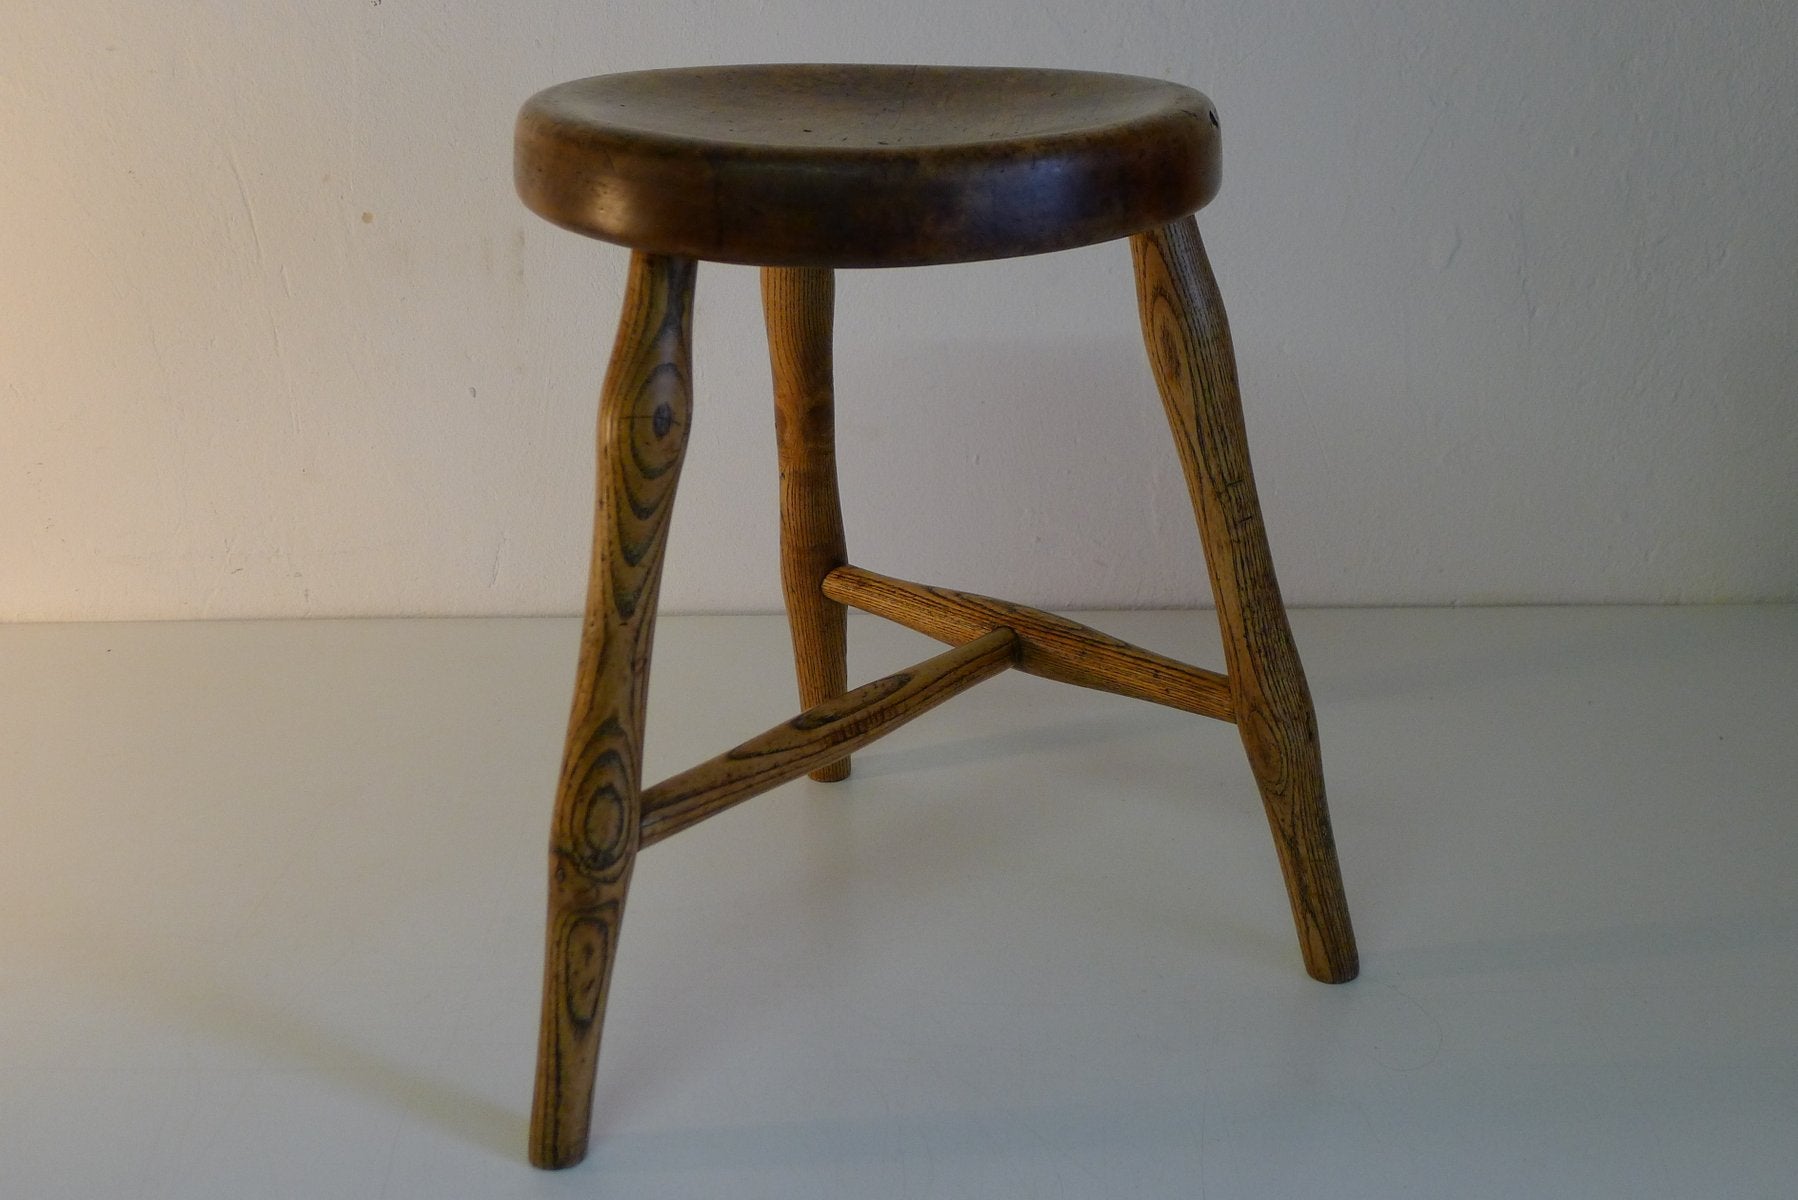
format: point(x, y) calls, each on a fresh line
point(1513, 286)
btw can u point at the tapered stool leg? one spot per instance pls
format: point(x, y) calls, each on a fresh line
point(644, 413)
point(798, 302)
point(1189, 348)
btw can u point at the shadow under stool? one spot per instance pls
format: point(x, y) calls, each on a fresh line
point(800, 170)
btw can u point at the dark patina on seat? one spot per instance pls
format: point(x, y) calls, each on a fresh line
point(862, 166)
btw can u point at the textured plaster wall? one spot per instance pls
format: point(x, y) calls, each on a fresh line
point(1513, 287)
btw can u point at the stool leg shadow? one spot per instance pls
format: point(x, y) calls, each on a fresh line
point(645, 410)
point(1188, 341)
point(799, 304)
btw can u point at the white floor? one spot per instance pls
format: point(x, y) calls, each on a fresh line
point(270, 899)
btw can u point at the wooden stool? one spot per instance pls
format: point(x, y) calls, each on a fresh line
point(799, 170)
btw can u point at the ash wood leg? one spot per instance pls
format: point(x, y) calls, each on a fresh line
point(644, 412)
point(798, 303)
point(1188, 341)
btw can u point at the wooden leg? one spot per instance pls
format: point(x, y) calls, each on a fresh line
point(797, 302)
point(1189, 348)
point(644, 413)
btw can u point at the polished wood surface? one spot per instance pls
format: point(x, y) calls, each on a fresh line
point(814, 736)
point(1188, 340)
point(645, 410)
point(857, 165)
point(1050, 646)
point(798, 303)
point(804, 169)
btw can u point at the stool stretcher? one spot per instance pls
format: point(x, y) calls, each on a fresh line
point(1050, 646)
point(819, 735)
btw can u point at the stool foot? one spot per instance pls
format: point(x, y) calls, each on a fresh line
point(1188, 340)
point(644, 412)
point(798, 303)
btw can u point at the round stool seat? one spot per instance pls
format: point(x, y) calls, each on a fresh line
point(864, 166)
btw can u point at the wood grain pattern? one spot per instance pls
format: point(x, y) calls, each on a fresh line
point(834, 165)
point(816, 735)
point(1188, 340)
point(645, 411)
point(798, 304)
point(1050, 646)
point(802, 168)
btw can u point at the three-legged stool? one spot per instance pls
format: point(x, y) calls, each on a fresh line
point(800, 170)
